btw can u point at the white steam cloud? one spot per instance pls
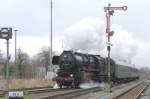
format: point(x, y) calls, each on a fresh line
point(89, 85)
point(88, 35)
point(124, 46)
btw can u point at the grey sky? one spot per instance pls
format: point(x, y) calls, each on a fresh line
point(32, 18)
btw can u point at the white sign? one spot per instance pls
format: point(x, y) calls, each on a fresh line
point(16, 94)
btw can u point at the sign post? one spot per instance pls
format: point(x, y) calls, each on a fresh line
point(6, 33)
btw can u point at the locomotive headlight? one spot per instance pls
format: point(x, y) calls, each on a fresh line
point(71, 75)
point(65, 56)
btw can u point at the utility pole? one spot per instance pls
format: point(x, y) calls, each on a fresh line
point(51, 36)
point(16, 53)
point(109, 12)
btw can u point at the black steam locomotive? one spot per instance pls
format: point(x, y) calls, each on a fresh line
point(75, 68)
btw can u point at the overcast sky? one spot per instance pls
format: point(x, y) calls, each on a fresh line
point(32, 20)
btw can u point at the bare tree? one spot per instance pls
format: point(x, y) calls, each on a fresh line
point(1, 57)
point(22, 62)
point(145, 71)
point(43, 57)
point(2, 65)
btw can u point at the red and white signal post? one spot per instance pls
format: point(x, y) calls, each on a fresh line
point(109, 12)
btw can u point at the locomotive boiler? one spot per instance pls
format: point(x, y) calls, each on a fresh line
point(75, 68)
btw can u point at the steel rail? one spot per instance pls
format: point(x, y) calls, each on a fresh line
point(133, 93)
point(68, 95)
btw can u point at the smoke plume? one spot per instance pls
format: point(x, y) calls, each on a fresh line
point(88, 35)
point(124, 46)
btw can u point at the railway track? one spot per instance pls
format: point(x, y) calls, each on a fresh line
point(69, 94)
point(50, 93)
point(46, 92)
point(74, 93)
point(116, 90)
point(29, 90)
point(134, 92)
point(146, 93)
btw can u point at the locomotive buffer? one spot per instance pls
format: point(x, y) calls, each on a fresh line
point(109, 12)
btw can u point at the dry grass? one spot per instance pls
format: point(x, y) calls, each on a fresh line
point(27, 83)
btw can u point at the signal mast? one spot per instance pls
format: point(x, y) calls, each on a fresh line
point(109, 12)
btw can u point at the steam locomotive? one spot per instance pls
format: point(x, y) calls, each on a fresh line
point(75, 68)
